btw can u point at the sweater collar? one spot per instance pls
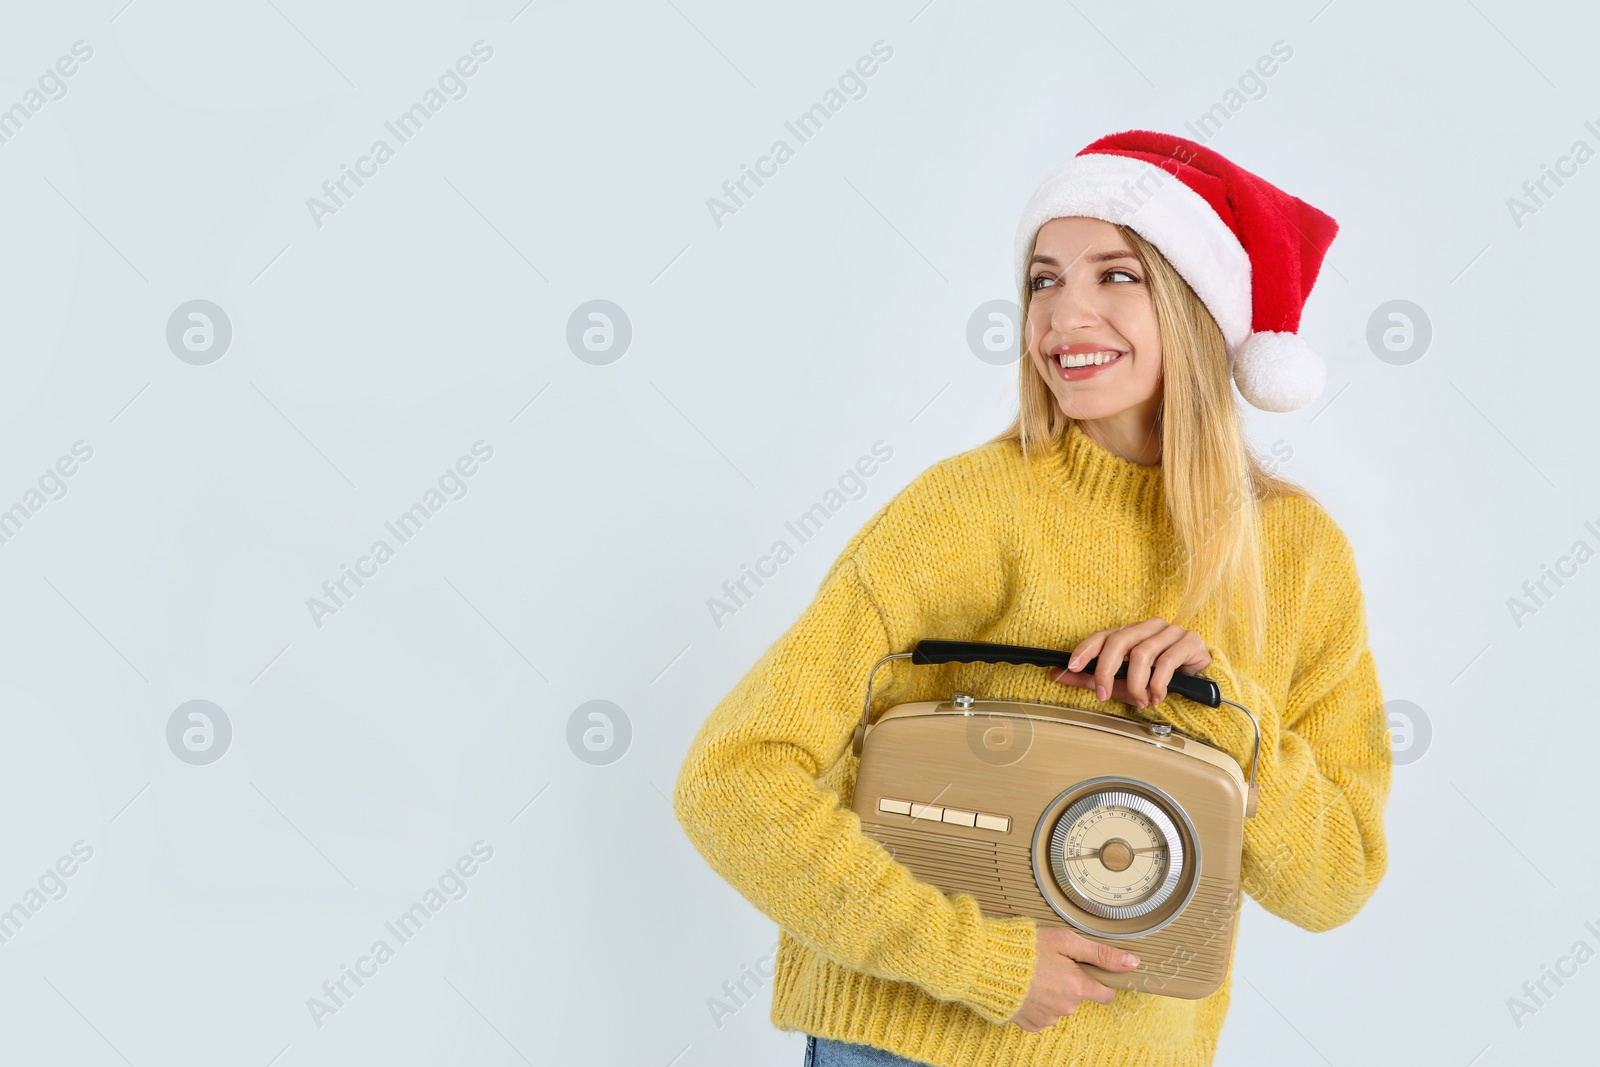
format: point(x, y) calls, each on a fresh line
point(1102, 478)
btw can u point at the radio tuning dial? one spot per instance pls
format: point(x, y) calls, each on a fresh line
point(1116, 854)
point(962, 701)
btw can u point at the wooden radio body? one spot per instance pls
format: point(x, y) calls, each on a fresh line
point(1127, 831)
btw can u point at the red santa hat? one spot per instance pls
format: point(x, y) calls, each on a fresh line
point(1249, 250)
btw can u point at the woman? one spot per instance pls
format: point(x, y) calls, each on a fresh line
point(1121, 515)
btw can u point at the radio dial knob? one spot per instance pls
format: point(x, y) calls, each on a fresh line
point(1117, 854)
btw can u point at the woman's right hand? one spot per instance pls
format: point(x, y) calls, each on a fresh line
point(1059, 984)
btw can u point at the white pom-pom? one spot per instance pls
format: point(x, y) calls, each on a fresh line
point(1278, 371)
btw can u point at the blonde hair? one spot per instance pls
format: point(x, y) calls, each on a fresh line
point(1206, 461)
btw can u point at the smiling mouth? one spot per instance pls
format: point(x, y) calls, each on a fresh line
point(1081, 368)
point(1086, 359)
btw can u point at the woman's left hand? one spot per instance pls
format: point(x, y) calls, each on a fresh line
point(1154, 649)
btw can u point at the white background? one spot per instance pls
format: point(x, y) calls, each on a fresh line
point(430, 312)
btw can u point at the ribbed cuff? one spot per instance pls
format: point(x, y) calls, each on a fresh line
point(1003, 965)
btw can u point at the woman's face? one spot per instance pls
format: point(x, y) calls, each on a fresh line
point(1090, 298)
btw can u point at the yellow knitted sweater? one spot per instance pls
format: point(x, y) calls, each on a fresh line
point(991, 546)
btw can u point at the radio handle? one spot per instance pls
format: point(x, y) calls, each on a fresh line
point(934, 651)
point(1200, 690)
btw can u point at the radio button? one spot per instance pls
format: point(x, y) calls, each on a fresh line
point(898, 807)
point(994, 822)
point(927, 811)
point(960, 818)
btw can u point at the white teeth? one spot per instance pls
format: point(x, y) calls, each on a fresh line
point(1086, 359)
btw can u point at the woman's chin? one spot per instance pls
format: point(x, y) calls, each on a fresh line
point(1086, 408)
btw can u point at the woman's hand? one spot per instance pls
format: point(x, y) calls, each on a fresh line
point(1154, 649)
point(1059, 985)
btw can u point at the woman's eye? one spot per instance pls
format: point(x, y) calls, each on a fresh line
point(1040, 281)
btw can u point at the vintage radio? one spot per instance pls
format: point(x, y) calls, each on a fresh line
point(1127, 831)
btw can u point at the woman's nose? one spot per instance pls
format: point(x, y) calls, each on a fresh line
point(1071, 309)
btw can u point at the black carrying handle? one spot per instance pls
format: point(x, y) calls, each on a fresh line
point(1200, 690)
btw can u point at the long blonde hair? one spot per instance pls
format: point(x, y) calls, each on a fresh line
point(1205, 458)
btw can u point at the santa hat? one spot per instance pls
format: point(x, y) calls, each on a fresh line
point(1249, 250)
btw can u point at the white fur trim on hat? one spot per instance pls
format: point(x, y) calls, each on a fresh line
point(1278, 371)
point(1162, 210)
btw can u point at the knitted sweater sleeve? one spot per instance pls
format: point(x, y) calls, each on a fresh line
point(748, 798)
point(1315, 850)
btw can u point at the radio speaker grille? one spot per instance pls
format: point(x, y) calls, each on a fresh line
point(999, 876)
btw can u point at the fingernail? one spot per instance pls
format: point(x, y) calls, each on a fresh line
point(1100, 691)
point(1130, 960)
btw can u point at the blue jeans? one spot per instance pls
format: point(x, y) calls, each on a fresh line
point(826, 1052)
